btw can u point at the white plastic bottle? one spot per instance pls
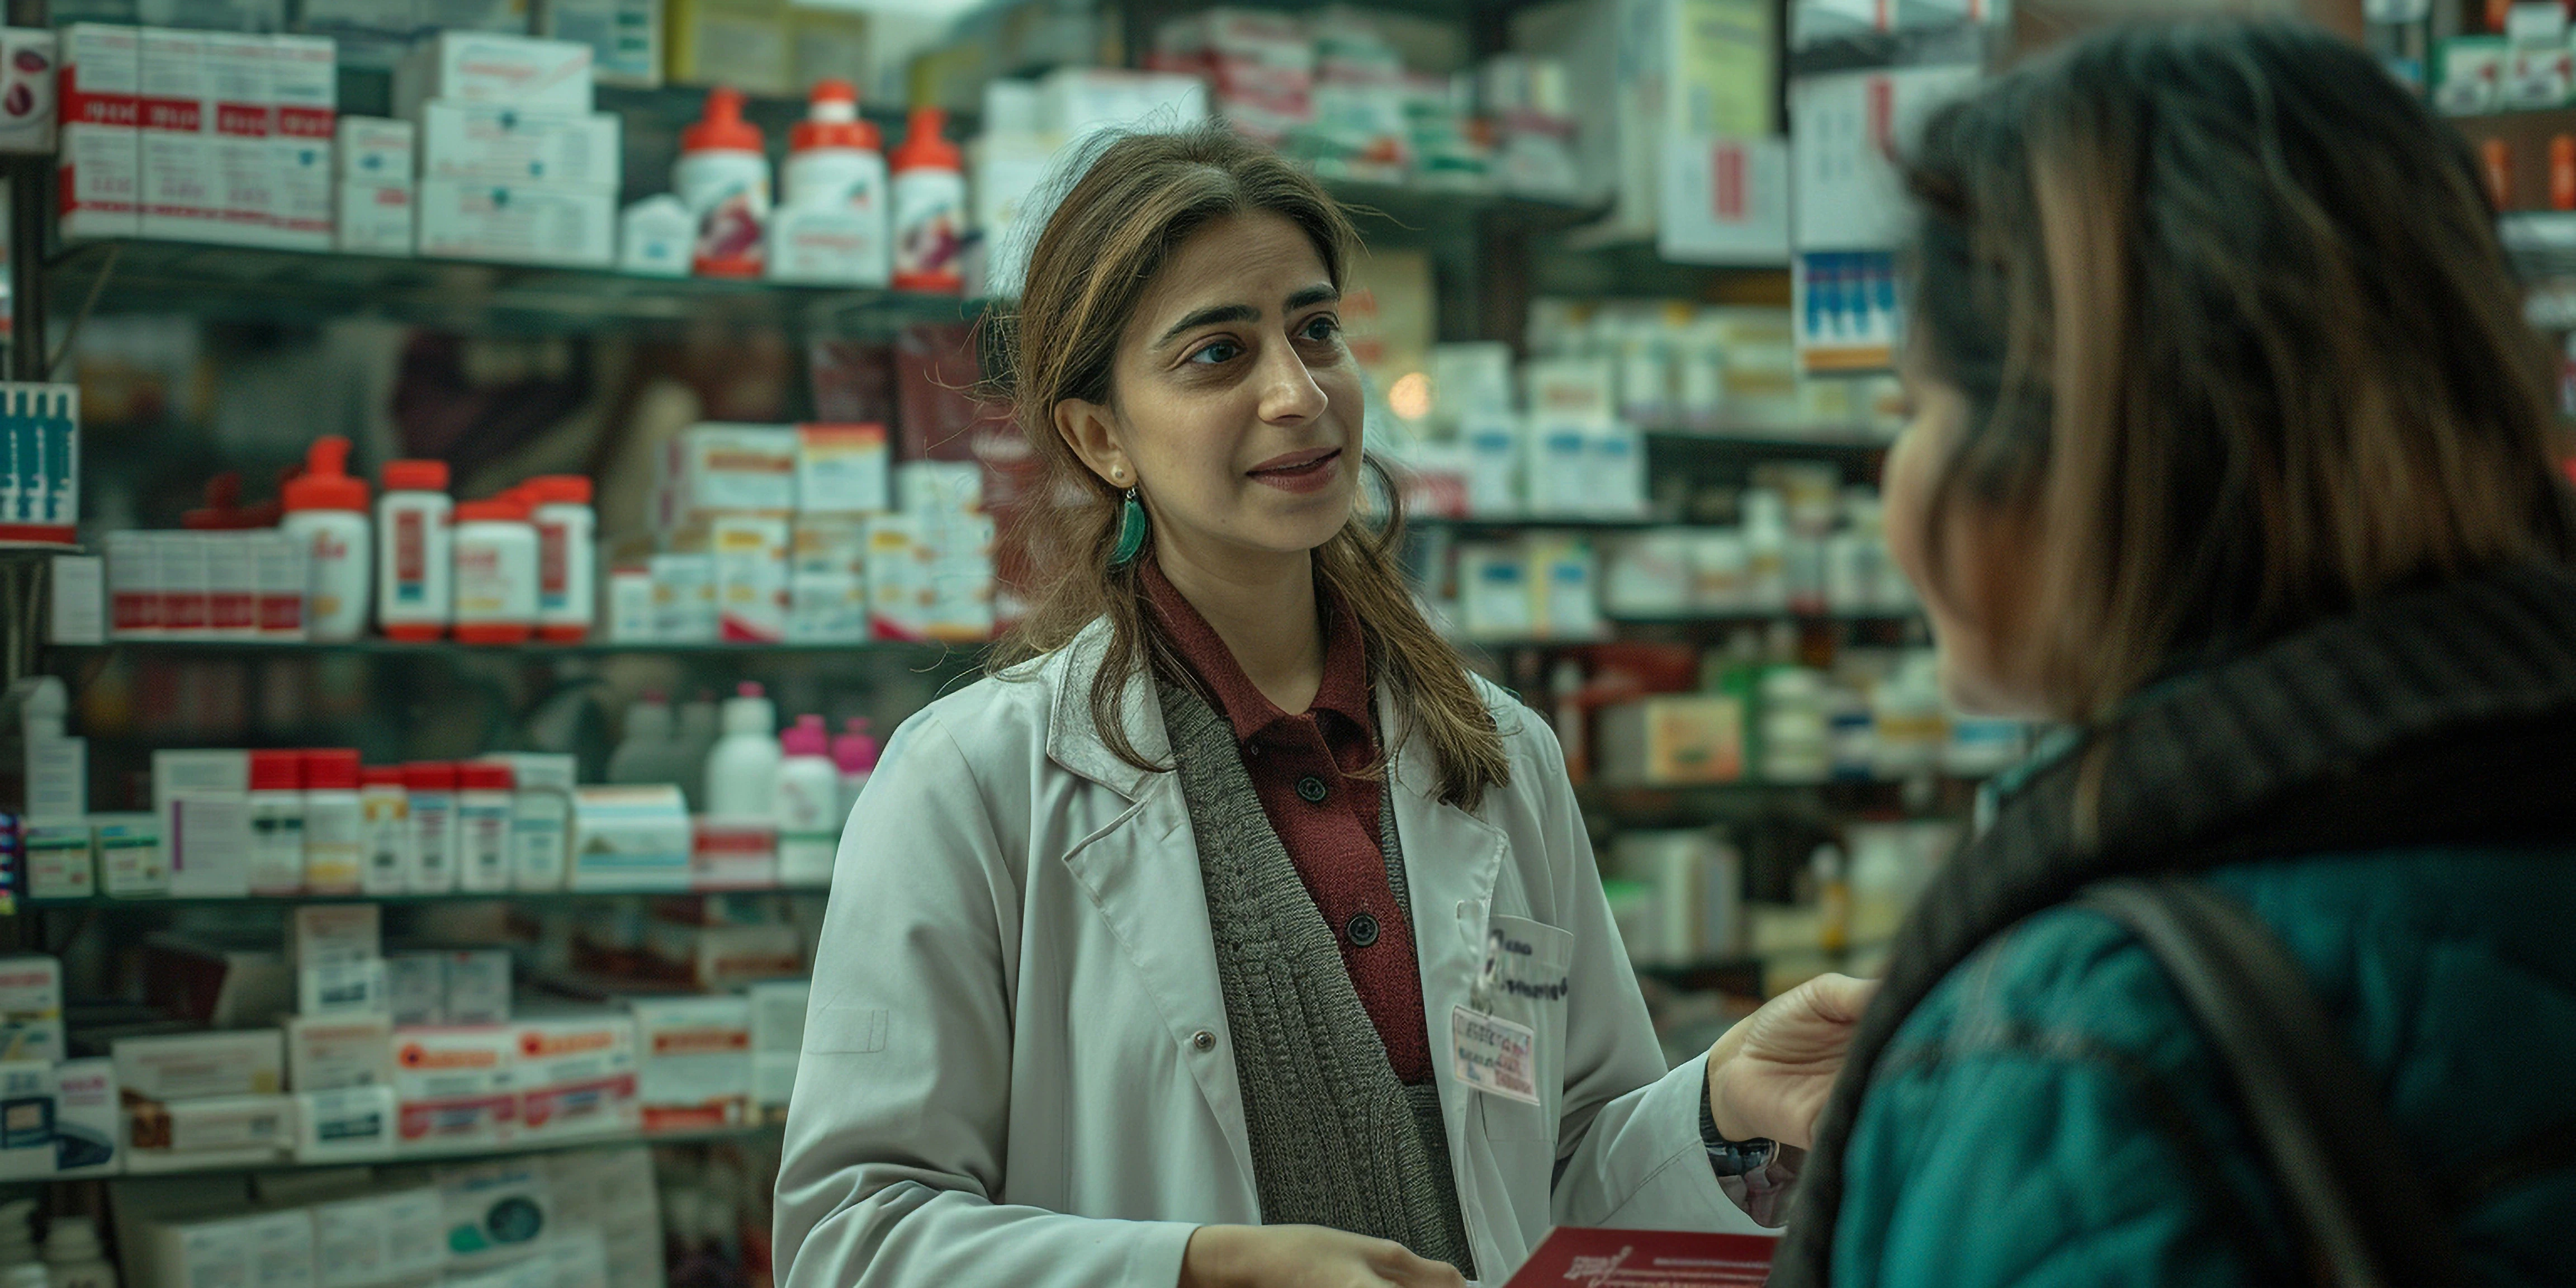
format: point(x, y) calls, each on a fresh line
point(276, 822)
point(929, 207)
point(808, 796)
point(567, 557)
point(742, 771)
point(414, 565)
point(835, 165)
point(384, 810)
point(335, 843)
point(326, 512)
point(541, 821)
point(431, 786)
point(701, 722)
point(645, 752)
point(484, 808)
point(73, 1258)
point(496, 572)
point(855, 753)
point(722, 176)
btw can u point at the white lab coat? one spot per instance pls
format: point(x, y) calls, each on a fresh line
point(1017, 1069)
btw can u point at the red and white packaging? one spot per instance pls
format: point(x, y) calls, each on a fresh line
point(182, 192)
point(455, 1087)
point(304, 88)
point(576, 1074)
point(1260, 65)
point(101, 185)
point(237, 124)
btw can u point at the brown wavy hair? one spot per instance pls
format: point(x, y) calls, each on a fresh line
point(2236, 336)
point(1138, 199)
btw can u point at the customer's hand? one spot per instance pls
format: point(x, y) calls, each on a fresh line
point(1769, 1076)
point(1305, 1256)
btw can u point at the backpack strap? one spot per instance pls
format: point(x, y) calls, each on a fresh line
point(2367, 1217)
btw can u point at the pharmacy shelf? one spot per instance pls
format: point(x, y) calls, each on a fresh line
point(253, 284)
point(2543, 242)
point(1845, 443)
point(1681, 623)
point(534, 650)
point(704, 1136)
point(1528, 523)
point(1946, 800)
point(101, 902)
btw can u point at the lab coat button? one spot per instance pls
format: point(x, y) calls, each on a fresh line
point(1311, 790)
point(1362, 930)
point(1203, 1040)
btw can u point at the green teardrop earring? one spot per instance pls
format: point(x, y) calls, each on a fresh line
point(1131, 532)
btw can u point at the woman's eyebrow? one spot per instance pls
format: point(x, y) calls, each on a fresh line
point(1312, 295)
point(1209, 316)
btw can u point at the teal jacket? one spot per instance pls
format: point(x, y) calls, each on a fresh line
point(2048, 1115)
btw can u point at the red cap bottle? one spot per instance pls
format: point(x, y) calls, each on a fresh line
point(331, 769)
point(277, 771)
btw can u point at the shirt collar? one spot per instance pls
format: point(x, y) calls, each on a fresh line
point(1345, 687)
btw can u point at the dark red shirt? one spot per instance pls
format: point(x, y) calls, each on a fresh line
point(1303, 766)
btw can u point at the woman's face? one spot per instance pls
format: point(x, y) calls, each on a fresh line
point(1980, 622)
point(1235, 406)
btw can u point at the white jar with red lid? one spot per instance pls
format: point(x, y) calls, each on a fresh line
point(567, 556)
point(496, 572)
point(413, 559)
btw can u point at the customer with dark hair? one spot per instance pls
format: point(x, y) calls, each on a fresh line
point(2232, 453)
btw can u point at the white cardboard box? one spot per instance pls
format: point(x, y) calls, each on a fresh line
point(480, 67)
point(197, 1066)
point(625, 37)
point(27, 1092)
point(353, 1124)
point(694, 1060)
point(520, 224)
point(88, 1119)
point(239, 119)
point(373, 149)
point(304, 88)
point(100, 173)
point(505, 143)
point(332, 1053)
point(182, 188)
point(210, 862)
point(373, 218)
point(322, 934)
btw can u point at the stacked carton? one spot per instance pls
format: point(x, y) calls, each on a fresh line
point(197, 136)
point(514, 164)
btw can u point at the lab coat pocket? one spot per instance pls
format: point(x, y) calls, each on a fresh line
point(846, 1026)
point(1528, 987)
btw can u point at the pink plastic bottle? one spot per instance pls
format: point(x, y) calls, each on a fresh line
point(809, 804)
point(856, 755)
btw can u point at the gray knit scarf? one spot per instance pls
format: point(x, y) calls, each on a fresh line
point(1337, 1140)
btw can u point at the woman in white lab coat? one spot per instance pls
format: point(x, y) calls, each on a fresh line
point(1090, 1005)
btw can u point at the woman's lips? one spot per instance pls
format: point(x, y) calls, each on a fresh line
point(1303, 472)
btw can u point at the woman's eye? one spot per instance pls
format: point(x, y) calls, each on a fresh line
point(1218, 353)
point(1322, 328)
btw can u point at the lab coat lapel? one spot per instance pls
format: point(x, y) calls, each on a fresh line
point(1141, 871)
point(1451, 861)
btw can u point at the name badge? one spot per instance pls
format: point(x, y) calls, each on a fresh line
point(1493, 1055)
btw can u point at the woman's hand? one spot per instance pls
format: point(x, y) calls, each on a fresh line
point(1305, 1256)
point(1769, 1076)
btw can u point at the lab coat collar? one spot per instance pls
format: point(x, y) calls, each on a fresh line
point(1073, 737)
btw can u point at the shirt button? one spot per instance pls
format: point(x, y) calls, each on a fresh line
point(1311, 790)
point(1362, 930)
point(1203, 1040)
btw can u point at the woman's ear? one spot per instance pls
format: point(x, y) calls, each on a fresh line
point(1092, 432)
